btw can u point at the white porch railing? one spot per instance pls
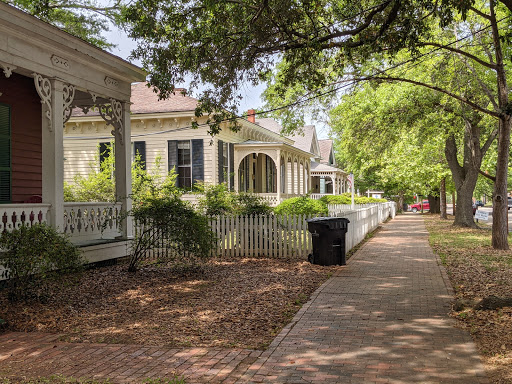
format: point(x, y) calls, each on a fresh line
point(13, 216)
point(92, 221)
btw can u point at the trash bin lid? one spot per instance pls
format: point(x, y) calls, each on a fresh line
point(331, 222)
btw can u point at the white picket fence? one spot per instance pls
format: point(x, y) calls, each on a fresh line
point(288, 236)
point(262, 235)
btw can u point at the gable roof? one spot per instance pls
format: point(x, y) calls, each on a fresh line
point(326, 149)
point(304, 140)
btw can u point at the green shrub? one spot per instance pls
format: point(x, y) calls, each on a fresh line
point(174, 228)
point(99, 185)
point(34, 255)
point(346, 198)
point(250, 204)
point(301, 206)
point(215, 200)
point(218, 200)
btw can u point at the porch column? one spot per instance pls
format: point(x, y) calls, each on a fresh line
point(298, 177)
point(123, 165)
point(235, 170)
point(292, 189)
point(278, 175)
point(52, 96)
point(334, 184)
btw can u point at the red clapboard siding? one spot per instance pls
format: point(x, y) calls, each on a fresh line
point(26, 143)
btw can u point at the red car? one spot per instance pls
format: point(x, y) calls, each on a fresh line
point(417, 206)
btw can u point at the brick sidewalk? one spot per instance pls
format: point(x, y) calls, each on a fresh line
point(382, 319)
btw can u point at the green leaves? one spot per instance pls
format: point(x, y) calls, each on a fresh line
point(33, 255)
point(86, 19)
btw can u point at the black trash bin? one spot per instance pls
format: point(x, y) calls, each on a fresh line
point(328, 240)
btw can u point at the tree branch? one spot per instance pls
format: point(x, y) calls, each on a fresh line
point(487, 175)
point(460, 52)
point(437, 89)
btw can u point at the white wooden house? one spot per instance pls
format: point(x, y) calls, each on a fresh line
point(255, 159)
point(44, 72)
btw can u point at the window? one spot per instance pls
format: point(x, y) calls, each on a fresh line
point(139, 149)
point(105, 149)
point(184, 165)
point(5, 153)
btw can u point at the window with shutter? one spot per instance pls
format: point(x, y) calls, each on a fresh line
point(104, 152)
point(184, 165)
point(5, 153)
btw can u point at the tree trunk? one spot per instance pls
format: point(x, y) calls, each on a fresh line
point(500, 201)
point(466, 176)
point(442, 195)
point(453, 203)
point(401, 201)
point(434, 204)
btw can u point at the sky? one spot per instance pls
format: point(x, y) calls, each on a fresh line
point(251, 95)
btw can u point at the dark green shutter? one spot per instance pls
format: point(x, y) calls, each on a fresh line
point(197, 160)
point(220, 162)
point(172, 156)
point(139, 148)
point(5, 153)
point(231, 166)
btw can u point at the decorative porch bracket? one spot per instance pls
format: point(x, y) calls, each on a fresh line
point(44, 90)
point(7, 69)
point(113, 115)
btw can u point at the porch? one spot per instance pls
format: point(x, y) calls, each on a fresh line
point(45, 73)
point(274, 171)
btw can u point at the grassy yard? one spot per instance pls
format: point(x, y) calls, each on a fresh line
point(477, 272)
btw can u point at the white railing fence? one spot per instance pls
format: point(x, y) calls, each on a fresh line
point(13, 216)
point(92, 221)
point(364, 219)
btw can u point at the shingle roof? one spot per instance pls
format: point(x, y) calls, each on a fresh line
point(302, 140)
point(323, 167)
point(144, 100)
point(325, 150)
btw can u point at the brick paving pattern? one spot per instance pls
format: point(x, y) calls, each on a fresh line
point(382, 319)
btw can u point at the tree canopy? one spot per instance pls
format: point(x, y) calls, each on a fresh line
point(86, 19)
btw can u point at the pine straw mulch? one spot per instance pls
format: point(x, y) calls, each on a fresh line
point(477, 271)
point(228, 303)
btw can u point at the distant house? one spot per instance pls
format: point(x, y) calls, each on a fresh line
point(44, 72)
point(375, 194)
point(256, 159)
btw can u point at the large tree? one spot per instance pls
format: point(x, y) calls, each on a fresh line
point(227, 43)
point(86, 19)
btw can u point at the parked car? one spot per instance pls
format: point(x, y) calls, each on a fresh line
point(509, 202)
point(479, 203)
point(417, 206)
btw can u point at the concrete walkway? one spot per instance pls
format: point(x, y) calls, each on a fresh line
point(382, 319)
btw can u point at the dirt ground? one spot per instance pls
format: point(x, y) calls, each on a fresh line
point(230, 303)
point(477, 271)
